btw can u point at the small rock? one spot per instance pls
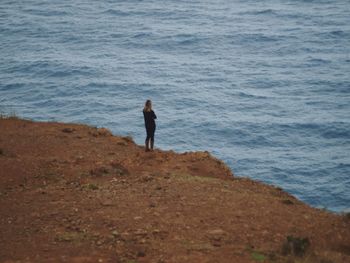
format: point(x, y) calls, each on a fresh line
point(125, 235)
point(79, 158)
point(156, 231)
point(115, 234)
point(140, 232)
point(216, 244)
point(216, 235)
point(137, 217)
point(216, 232)
point(106, 202)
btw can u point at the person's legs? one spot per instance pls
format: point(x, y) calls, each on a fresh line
point(150, 133)
point(152, 138)
point(152, 143)
point(146, 144)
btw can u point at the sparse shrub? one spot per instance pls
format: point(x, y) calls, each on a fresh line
point(99, 171)
point(75, 237)
point(128, 139)
point(100, 132)
point(11, 115)
point(287, 202)
point(347, 215)
point(93, 187)
point(118, 169)
point(325, 209)
point(295, 246)
point(104, 132)
point(1, 151)
point(68, 130)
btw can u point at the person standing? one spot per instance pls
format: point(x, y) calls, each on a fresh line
point(150, 125)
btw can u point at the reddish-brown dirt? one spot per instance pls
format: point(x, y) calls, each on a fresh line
point(73, 193)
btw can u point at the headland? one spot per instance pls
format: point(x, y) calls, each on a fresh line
point(74, 193)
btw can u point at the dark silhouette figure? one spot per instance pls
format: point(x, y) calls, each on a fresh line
point(150, 125)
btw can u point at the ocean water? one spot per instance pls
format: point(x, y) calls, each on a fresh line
point(263, 85)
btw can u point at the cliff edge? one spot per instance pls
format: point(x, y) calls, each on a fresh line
point(74, 193)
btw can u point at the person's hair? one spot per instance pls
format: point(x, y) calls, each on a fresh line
point(148, 106)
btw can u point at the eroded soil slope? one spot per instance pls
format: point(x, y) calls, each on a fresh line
point(73, 193)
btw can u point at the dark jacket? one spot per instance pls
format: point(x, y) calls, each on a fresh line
point(149, 117)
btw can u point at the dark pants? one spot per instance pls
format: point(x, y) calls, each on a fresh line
point(150, 135)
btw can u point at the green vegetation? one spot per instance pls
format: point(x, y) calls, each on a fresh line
point(193, 178)
point(257, 256)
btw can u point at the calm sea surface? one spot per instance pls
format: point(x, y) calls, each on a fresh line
point(263, 85)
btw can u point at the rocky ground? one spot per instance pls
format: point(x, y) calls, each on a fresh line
point(73, 193)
